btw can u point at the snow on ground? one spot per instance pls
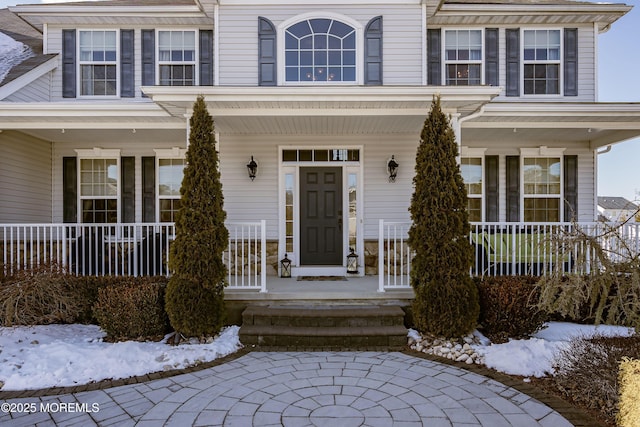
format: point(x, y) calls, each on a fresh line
point(11, 53)
point(67, 355)
point(534, 357)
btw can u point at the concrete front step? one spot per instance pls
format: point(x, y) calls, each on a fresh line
point(324, 327)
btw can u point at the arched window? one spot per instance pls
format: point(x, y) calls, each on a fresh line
point(320, 50)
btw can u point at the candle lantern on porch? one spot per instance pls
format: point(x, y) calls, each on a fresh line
point(352, 262)
point(285, 267)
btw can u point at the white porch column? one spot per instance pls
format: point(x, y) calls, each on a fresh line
point(457, 130)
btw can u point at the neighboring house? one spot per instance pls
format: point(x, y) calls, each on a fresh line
point(617, 209)
point(322, 96)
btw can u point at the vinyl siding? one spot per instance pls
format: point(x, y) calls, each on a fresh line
point(402, 37)
point(37, 91)
point(25, 174)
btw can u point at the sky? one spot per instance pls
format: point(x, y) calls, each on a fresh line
point(618, 81)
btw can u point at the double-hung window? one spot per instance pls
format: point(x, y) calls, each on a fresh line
point(170, 173)
point(98, 62)
point(463, 57)
point(99, 179)
point(542, 184)
point(471, 170)
point(170, 167)
point(177, 58)
point(320, 50)
point(541, 62)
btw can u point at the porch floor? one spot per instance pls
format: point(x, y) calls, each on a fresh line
point(353, 290)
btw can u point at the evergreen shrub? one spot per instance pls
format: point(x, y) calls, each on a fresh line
point(132, 308)
point(195, 293)
point(446, 299)
point(508, 307)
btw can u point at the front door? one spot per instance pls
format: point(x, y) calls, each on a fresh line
point(321, 216)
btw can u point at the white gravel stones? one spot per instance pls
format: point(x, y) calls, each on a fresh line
point(459, 350)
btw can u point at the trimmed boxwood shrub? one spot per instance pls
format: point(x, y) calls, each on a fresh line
point(132, 309)
point(508, 307)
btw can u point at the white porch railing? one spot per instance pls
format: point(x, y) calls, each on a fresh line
point(140, 249)
point(516, 249)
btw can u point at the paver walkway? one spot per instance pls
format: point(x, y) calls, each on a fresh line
point(300, 389)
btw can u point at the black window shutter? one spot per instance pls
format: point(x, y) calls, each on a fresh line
point(570, 187)
point(127, 64)
point(571, 62)
point(434, 57)
point(491, 188)
point(491, 73)
point(267, 71)
point(69, 189)
point(206, 58)
point(128, 189)
point(148, 57)
point(513, 188)
point(68, 63)
point(149, 189)
point(373, 52)
point(513, 61)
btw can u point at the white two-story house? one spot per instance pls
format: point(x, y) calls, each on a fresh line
point(322, 96)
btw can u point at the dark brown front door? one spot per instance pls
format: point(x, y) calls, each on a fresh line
point(321, 216)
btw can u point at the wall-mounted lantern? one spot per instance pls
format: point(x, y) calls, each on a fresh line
point(352, 262)
point(285, 267)
point(252, 169)
point(392, 168)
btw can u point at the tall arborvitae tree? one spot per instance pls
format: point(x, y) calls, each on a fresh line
point(446, 299)
point(195, 293)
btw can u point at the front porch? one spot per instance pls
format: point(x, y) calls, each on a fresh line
point(253, 263)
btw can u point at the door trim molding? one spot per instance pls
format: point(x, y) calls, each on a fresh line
point(290, 171)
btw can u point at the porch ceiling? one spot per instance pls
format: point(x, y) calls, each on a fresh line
point(320, 110)
point(596, 124)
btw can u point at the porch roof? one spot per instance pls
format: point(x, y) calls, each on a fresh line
point(598, 123)
point(528, 12)
point(321, 110)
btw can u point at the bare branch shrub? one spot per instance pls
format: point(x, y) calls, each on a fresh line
point(40, 296)
point(587, 372)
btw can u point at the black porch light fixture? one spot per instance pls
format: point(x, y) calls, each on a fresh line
point(352, 262)
point(252, 169)
point(285, 267)
point(392, 168)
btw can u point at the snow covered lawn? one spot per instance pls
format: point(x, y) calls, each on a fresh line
point(534, 357)
point(66, 355)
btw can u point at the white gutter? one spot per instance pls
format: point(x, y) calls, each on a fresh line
point(605, 151)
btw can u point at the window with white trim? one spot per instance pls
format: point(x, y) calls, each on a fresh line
point(542, 185)
point(170, 174)
point(99, 189)
point(98, 62)
point(471, 170)
point(541, 62)
point(177, 58)
point(320, 50)
point(463, 57)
